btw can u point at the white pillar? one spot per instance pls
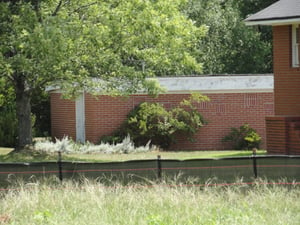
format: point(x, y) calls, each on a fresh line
point(80, 118)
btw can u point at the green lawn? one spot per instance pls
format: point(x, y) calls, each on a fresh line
point(181, 155)
point(32, 156)
point(4, 151)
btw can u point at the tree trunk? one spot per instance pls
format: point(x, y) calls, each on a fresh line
point(23, 105)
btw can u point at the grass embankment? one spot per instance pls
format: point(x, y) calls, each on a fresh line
point(7, 155)
point(158, 205)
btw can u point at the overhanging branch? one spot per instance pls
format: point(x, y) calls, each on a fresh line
point(57, 8)
point(84, 6)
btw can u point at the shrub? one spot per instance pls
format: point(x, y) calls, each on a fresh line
point(243, 138)
point(152, 122)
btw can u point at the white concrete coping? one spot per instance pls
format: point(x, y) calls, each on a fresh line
point(218, 84)
point(212, 84)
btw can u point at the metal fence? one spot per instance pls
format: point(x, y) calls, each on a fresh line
point(223, 170)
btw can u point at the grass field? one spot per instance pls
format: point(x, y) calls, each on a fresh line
point(91, 203)
point(48, 202)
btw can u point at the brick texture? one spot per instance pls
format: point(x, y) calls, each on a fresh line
point(286, 78)
point(62, 117)
point(104, 114)
point(283, 136)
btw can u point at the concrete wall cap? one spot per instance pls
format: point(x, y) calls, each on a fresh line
point(254, 83)
point(211, 84)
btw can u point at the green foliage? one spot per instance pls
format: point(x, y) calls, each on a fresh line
point(121, 42)
point(253, 139)
point(115, 41)
point(230, 46)
point(8, 120)
point(70, 44)
point(253, 6)
point(152, 122)
point(8, 125)
point(115, 138)
point(40, 106)
point(40, 116)
point(243, 138)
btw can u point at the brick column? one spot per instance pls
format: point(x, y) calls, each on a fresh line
point(283, 136)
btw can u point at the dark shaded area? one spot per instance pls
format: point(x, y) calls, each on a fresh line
point(40, 107)
point(216, 171)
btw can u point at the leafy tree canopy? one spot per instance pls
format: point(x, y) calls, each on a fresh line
point(62, 42)
point(230, 47)
point(253, 6)
point(72, 40)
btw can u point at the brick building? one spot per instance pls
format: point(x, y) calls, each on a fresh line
point(283, 129)
point(235, 100)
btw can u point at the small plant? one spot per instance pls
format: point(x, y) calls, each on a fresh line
point(42, 216)
point(243, 138)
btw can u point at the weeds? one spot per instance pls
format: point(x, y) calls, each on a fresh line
point(162, 203)
point(68, 146)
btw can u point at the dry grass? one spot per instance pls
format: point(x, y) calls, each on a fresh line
point(92, 203)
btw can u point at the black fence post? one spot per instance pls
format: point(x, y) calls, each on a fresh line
point(254, 162)
point(60, 176)
point(159, 167)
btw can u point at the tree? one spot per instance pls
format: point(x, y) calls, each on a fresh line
point(68, 43)
point(253, 6)
point(230, 47)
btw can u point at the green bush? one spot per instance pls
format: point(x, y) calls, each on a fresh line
point(243, 138)
point(152, 122)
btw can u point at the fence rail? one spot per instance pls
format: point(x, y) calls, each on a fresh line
point(224, 169)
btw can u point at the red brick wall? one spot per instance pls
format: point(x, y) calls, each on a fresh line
point(230, 110)
point(286, 78)
point(294, 137)
point(283, 135)
point(104, 114)
point(62, 117)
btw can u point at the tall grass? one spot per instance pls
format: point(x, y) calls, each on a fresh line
point(92, 203)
